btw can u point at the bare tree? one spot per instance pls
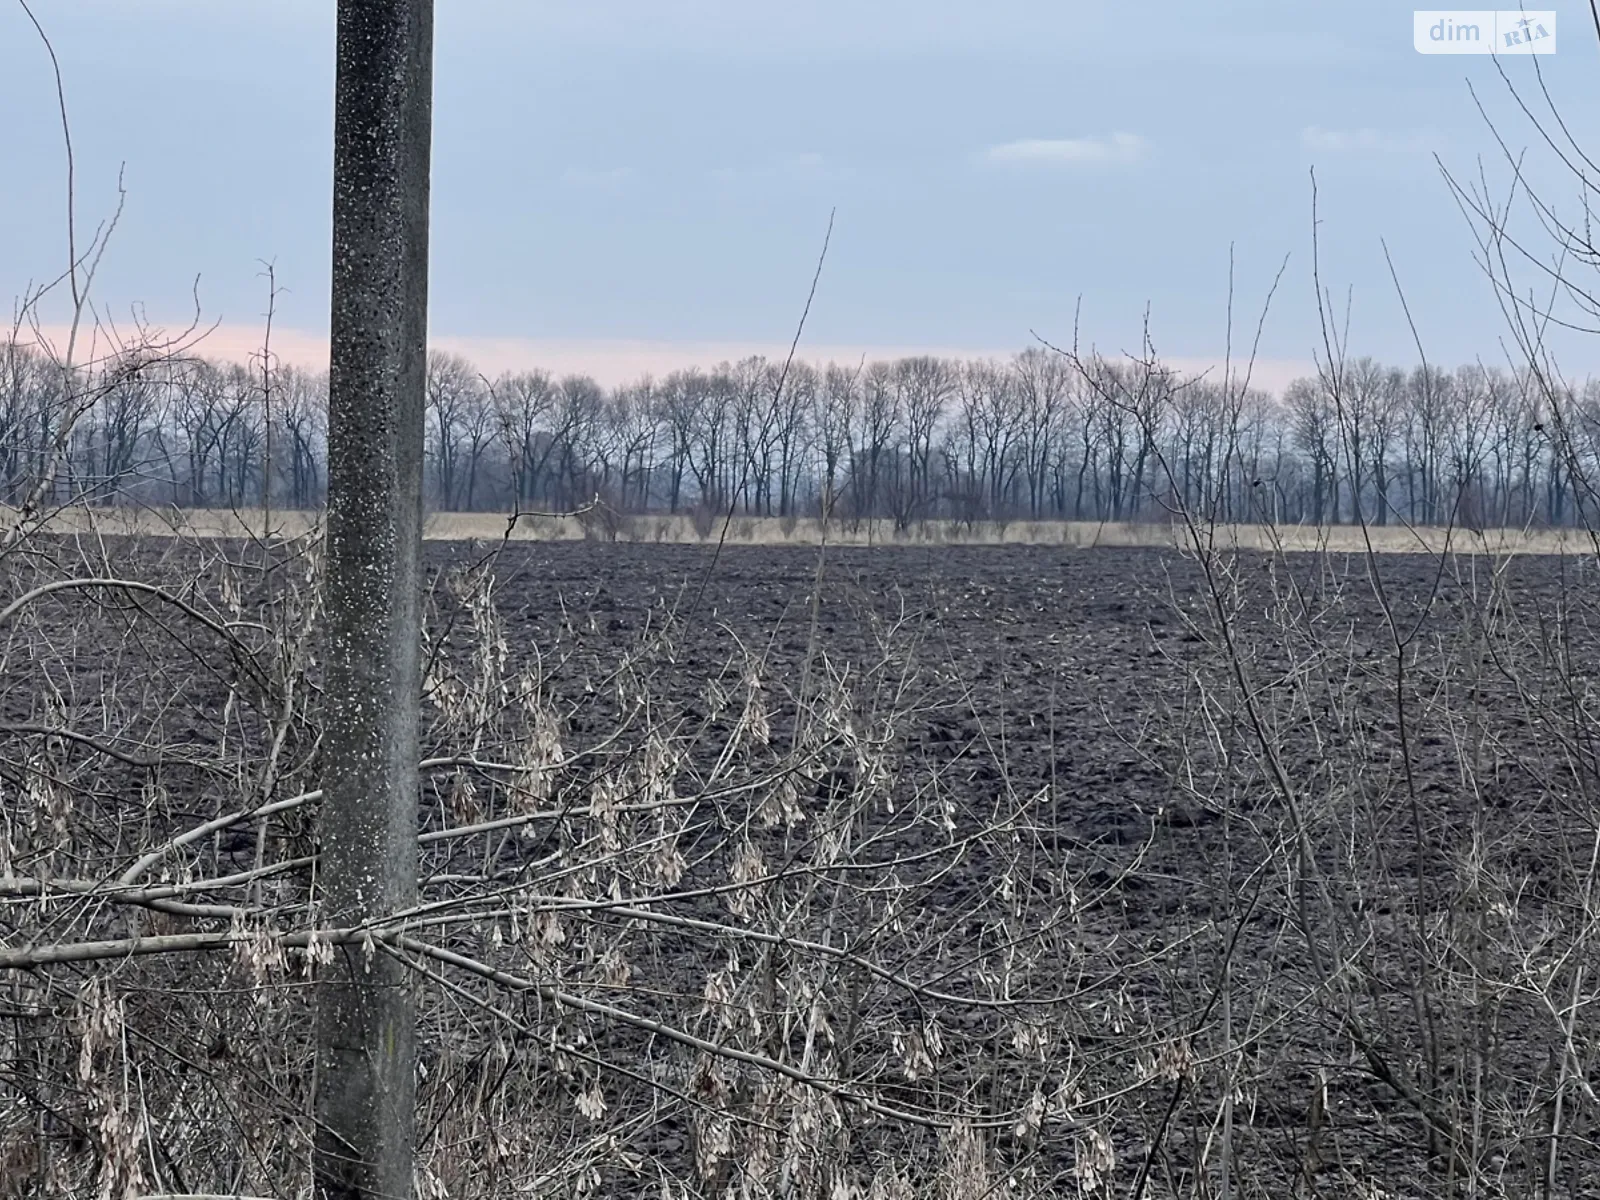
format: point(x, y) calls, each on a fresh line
point(709, 434)
point(1029, 436)
point(791, 431)
point(679, 402)
point(1424, 435)
point(523, 404)
point(1316, 437)
point(877, 438)
point(580, 412)
point(752, 429)
point(834, 417)
point(28, 395)
point(301, 411)
point(629, 416)
point(451, 384)
point(1045, 384)
point(926, 385)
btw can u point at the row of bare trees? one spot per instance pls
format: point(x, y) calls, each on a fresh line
point(914, 439)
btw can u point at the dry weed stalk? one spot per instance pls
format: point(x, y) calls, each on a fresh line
point(1404, 832)
point(670, 941)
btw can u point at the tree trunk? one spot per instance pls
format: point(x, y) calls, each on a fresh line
point(365, 1086)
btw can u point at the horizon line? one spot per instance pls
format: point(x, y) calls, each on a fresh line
point(618, 361)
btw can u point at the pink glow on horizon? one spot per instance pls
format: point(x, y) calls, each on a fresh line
point(616, 361)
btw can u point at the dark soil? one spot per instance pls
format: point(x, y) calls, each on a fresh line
point(1127, 836)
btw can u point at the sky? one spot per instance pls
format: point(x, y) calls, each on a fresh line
point(629, 186)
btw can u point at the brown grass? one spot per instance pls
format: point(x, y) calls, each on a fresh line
point(768, 531)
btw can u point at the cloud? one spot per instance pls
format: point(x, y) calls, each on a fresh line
point(1361, 141)
point(592, 177)
point(805, 165)
point(1072, 152)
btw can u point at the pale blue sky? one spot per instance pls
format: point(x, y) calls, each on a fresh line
point(660, 172)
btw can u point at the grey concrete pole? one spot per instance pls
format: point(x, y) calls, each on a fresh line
point(365, 1084)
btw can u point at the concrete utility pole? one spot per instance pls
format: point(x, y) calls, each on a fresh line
point(366, 1049)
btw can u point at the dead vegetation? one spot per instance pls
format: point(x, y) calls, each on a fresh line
point(599, 522)
point(1281, 884)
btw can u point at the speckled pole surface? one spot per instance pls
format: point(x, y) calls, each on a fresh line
point(365, 1085)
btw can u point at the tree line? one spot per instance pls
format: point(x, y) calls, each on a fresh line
point(1043, 435)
